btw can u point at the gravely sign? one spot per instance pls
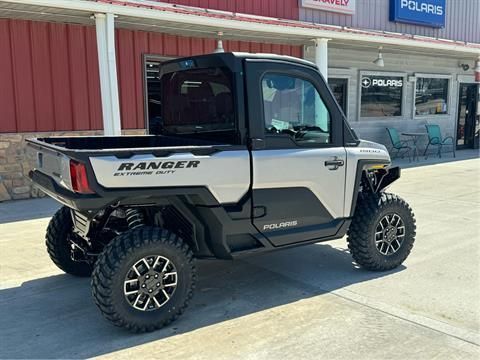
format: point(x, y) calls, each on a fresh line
point(340, 6)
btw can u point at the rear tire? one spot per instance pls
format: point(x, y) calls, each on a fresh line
point(382, 231)
point(58, 247)
point(131, 284)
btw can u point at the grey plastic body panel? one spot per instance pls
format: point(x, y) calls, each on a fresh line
point(226, 174)
point(303, 167)
point(366, 150)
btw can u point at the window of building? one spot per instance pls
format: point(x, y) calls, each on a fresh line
point(381, 95)
point(293, 107)
point(339, 87)
point(431, 96)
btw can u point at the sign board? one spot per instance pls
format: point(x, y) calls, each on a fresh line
point(420, 12)
point(381, 81)
point(339, 6)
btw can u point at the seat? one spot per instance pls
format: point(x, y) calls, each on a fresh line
point(435, 139)
point(224, 109)
point(401, 146)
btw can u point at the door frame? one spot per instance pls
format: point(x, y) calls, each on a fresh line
point(457, 118)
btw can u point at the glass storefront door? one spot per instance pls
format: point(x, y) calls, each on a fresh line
point(468, 121)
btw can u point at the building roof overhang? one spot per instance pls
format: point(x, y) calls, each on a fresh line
point(198, 22)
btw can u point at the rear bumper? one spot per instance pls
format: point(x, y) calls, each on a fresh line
point(66, 197)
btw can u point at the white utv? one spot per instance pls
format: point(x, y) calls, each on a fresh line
point(251, 153)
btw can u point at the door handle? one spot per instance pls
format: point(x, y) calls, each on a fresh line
point(335, 163)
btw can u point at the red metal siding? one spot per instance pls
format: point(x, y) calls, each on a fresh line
point(22, 75)
point(131, 45)
point(7, 96)
point(48, 77)
point(42, 85)
point(283, 9)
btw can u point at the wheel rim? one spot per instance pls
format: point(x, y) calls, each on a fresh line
point(389, 234)
point(150, 283)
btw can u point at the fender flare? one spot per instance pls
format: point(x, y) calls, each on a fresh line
point(383, 177)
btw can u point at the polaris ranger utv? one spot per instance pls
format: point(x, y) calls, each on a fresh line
point(251, 153)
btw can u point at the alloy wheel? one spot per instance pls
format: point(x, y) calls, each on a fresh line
point(389, 234)
point(150, 283)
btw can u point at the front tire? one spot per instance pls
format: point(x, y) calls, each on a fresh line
point(144, 279)
point(58, 245)
point(382, 231)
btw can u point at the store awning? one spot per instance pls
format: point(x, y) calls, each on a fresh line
point(190, 21)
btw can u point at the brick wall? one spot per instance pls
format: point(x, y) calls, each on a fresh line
point(16, 162)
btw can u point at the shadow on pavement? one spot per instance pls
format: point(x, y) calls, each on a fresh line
point(30, 209)
point(434, 159)
point(55, 317)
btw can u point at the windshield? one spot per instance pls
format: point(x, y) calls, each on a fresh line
point(197, 101)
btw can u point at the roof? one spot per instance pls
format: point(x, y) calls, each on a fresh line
point(192, 21)
point(232, 60)
point(264, 56)
point(225, 15)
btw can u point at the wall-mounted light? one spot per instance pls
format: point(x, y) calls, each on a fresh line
point(465, 67)
point(219, 48)
point(379, 60)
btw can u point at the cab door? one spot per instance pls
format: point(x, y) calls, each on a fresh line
point(298, 157)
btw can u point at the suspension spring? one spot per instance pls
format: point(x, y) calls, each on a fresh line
point(134, 218)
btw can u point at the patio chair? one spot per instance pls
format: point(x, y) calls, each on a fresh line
point(435, 139)
point(401, 146)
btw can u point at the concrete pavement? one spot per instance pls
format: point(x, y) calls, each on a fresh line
point(303, 303)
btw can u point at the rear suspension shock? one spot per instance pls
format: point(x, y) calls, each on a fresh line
point(134, 218)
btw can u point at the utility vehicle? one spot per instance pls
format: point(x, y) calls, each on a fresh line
point(251, 153)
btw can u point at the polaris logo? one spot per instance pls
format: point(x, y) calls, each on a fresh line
point(422, 7)
point(367, 82)
point(155, 165)
point(281, 225)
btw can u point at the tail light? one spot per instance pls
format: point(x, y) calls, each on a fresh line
point(78, 176)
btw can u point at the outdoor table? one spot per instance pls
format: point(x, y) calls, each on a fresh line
point(415, 137)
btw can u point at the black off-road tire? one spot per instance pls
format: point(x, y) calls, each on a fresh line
point(370, 210)
point(58, 246)
point(117, 259)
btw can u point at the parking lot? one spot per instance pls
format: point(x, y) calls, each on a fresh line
point(303, 303)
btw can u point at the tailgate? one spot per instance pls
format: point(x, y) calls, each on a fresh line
point(51, 162)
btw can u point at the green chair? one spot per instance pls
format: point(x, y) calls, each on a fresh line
point(401, 146)
point(435, 139)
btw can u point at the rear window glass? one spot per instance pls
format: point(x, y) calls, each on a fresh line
point(197, 101)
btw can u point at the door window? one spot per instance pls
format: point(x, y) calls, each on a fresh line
point(293, 107)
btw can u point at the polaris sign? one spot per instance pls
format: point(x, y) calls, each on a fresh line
point(420, 12)
point(381, 82)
